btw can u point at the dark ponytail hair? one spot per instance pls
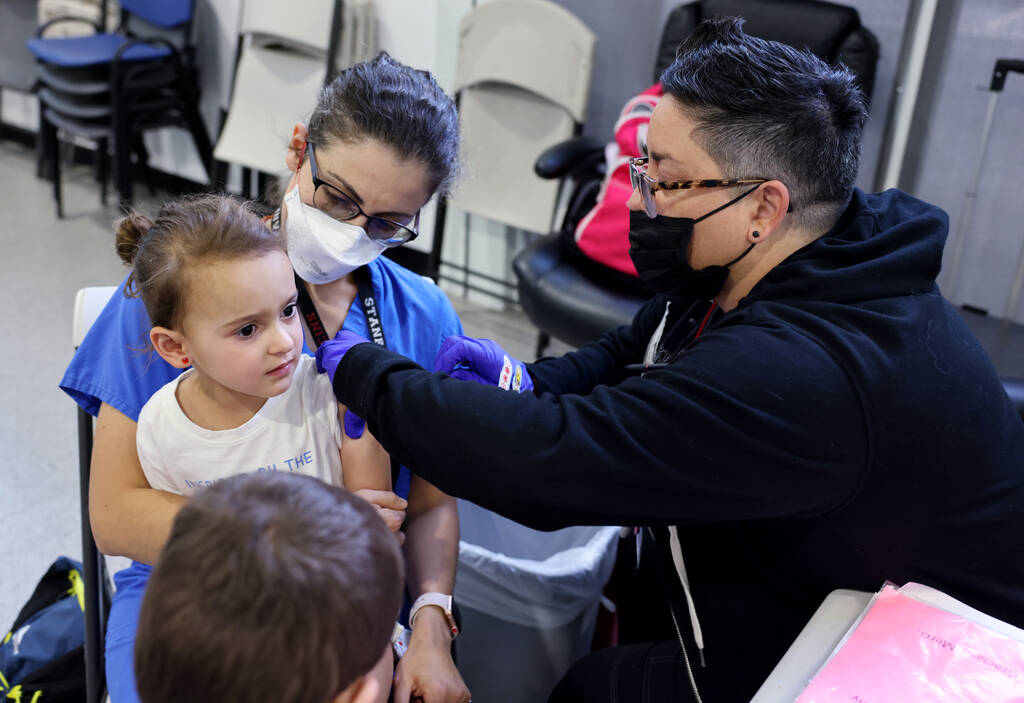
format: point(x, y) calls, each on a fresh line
point(396, 105)
point(186, 232)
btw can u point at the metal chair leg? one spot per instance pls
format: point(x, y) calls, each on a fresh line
point(57, 194)
point(50, 144)
point(262, 185)
point(102, 166)
point(200, 137)
point(247, 183)
point(123, 168)
point(92, 566)
point(543, 340)
point(220, 176)
point(142, 162)
point(43, 159)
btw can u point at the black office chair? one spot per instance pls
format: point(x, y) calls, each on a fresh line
point(575, 299)
point(111, 87)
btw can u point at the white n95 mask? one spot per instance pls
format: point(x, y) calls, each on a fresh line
point(321, 248)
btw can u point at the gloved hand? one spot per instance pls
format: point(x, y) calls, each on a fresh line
point(483, 361)
point(328, 356)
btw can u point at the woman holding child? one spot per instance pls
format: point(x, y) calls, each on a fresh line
point(382, 140)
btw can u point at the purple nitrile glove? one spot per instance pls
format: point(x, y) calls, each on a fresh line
point(482, 361)
point(328, 356)
point(354, 425)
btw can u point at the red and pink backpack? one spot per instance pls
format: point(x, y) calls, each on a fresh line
point(603, 233)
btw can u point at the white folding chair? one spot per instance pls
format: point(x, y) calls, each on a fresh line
point(522, 82)
point(284, 58)
point(89, 302)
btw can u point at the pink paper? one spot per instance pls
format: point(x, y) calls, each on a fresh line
point(904, 650)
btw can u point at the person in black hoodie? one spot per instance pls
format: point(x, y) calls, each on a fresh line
point(797, 410)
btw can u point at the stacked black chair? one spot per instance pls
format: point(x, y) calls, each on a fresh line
point(574, 299)
point(111, 87)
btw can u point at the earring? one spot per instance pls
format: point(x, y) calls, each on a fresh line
point(756, 234)
point(184, 360)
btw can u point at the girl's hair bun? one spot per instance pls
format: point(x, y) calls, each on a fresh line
point(130, 231)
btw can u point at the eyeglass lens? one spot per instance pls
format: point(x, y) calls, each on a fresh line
point(341, 207)
point(642, 185)
point(333, 202)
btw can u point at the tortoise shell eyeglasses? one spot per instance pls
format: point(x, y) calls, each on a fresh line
point(648, 186)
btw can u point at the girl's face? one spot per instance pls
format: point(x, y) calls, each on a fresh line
point(241, 327)
point(367, 172)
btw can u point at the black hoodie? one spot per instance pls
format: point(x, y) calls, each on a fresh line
point(839, 428)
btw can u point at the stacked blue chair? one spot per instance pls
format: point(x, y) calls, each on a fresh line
point(111, 87)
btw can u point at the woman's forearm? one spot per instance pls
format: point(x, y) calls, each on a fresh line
point(128, 517)
point(432, 539)
point(427, 671)
point(136, 525)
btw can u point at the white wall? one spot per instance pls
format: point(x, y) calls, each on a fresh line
point(994, 235)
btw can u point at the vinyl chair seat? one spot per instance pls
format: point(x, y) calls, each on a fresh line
point(90, 129)
point(161, 13)
point(91, 50)
point(563, 300)
point(88, 108)
point(84, 80)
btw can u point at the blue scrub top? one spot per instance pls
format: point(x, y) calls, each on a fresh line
point(114, 364)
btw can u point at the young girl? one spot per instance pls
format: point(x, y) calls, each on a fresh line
point(221, 296)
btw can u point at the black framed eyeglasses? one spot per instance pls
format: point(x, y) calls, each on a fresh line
point(333, 201)
point(648, 186)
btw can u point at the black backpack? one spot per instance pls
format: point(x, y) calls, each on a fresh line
point(42, 658)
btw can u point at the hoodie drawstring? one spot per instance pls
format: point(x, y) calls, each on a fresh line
point(677, 560)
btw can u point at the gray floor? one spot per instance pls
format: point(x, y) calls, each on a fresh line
point(44, 262)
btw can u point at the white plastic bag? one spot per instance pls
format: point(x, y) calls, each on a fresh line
point(529, 577)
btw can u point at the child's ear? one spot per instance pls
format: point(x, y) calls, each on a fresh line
point(170, 345)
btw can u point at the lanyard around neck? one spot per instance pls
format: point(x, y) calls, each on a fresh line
point(364, 287)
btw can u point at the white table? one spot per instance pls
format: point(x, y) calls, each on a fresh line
point(813, 645)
